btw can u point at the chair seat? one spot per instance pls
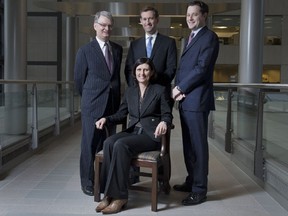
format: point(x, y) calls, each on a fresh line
point(150, 155)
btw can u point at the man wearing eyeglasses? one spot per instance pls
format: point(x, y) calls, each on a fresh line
point(97, 79)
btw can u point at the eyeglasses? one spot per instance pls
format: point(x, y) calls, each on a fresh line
point(103, 25)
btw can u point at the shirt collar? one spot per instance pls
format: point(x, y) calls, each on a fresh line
point(154, 35)
point(101, 43)
point(196, 31)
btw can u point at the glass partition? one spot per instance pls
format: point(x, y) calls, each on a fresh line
point(251, 123)
point(36, 107)
point(275, 127)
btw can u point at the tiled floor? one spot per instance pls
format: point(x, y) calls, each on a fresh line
point(48, 184)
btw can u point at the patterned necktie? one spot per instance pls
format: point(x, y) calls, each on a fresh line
point(108, 57)
point(149, 46)
point(190, 38)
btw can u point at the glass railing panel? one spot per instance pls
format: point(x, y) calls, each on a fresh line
point(77, 103)
point(220, 112)
point(247, 105)
point(13, 114)
point(275, 126)
point(46, 102)
point(65, 103)
point(29, 107)
point(234, 114)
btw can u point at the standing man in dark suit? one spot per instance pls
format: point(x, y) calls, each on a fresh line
point(163, 50)
point(194, 91)
point(98, 83)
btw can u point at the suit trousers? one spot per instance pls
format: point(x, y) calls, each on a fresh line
point(92, 142)
point(118, 152)
point(195, 147)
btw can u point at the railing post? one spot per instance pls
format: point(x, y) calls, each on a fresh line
point(259, 161)
point(0, 157)
point(229, 130)
point(57, 111)
point(211, 130)
point(34, 115)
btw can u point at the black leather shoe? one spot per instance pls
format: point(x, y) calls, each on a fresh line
point(194, 199)
point(88, 190)
point(183, 187)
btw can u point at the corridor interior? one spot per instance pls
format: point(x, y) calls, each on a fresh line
point(48, 184)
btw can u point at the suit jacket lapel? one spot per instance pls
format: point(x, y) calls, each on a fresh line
point(149, 96)
point(114, 57)
point(198, 35)
point(142, 47)
point(99, 53)
point(134, 96)
point(156, 45)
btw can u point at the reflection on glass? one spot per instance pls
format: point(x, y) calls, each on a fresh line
point(47, 109)
point(227, 28)
point(275, 127)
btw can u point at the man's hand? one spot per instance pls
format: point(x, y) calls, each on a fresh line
point(177, 95)
point(100, 123)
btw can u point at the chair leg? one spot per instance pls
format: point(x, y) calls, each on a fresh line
point(154, 192)
point(166, 176)
point(97, 179)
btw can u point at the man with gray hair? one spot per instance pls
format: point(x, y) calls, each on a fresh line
point(97, 79)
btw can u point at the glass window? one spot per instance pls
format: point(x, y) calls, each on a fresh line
point(273, 30)
point(227, 28)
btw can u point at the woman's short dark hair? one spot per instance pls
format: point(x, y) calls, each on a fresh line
point(148, 61)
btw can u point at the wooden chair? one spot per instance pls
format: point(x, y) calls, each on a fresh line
point(159, 165)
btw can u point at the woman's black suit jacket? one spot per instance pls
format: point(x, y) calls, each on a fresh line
point(155, 108)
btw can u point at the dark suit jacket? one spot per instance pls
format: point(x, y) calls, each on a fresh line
point(155, 108)
point(94, 81)
point(164, 57)
point(195, 74)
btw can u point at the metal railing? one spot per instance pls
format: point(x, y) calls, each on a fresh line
point(30, 106)
point(250, 121)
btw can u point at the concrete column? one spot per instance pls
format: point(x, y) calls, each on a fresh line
point(251, 41)
point(250, 64)
point(71, 38)
point(15, 52)
point(70, 47)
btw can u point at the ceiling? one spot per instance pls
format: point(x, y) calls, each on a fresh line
point(129, 8)
point(126, 14)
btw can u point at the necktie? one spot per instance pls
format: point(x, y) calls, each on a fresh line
point(108, 57)
point(149, 46)
point(190, 38)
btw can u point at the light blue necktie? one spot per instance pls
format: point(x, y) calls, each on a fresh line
point(149, 47)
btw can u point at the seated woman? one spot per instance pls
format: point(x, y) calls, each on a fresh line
point(147, 106)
